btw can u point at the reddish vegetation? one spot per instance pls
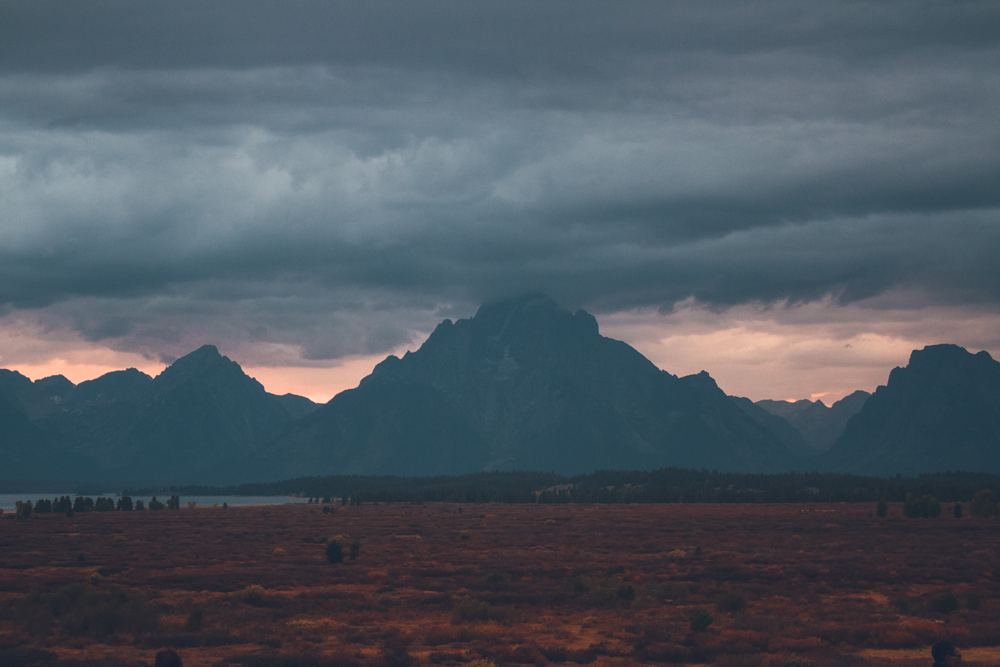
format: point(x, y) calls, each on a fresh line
point(512, 584)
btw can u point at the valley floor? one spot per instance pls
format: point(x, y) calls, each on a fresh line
point(509, 584)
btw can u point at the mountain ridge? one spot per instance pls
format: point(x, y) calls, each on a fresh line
point(523, 384)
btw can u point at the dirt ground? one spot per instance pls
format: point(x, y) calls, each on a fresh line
point(728, 585)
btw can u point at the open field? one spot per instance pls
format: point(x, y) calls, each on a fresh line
point(512, 584)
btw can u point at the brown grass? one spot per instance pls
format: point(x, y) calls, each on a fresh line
point(600, 585)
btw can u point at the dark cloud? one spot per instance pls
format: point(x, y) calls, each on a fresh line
point(336, 176)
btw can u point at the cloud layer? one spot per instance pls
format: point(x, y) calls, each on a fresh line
point(308, 181)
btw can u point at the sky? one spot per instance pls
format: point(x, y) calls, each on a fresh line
point(791, 195)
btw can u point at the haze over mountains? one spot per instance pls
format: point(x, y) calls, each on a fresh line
point(525, 384)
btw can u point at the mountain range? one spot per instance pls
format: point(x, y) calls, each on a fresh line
point(523, 385)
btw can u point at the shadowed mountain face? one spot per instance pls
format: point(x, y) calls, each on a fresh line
point(779, 426)
point(23, 446)
point(940, 413)
point(525, 385)
point(200, 420)
point(819, 425)
point(37, 398)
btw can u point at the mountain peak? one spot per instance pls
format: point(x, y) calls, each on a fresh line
point(203, 363)
point(946, 353)
point(532, 313)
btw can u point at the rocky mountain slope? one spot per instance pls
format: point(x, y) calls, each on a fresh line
point(526, 385)
point(819, 425)
point(941, 412)
point(201, 420)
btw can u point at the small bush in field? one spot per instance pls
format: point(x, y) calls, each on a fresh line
point(88, 612)
point(476, 611)
point(984, 505)
point(23, 510)
point(957, 510)
point(700, 619)
point(195, 620)
point(905, 605)
point(395, 654)
point(945, 603)
point(732, 603)
point(465, 534)
point(496, 578)
point(253, 595)
point(334, 552)
point(279, 553)
point(882, 508)
point(798, 662)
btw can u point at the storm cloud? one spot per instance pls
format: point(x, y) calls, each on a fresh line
point(337, 177)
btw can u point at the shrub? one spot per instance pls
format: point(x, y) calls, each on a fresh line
point(945, 603)
point(882, 508)
point(626, 591)
point(465, 534)
point(925, 507)
point(496, 578)
point(957, 510)
point(279, 553)
point(93, 613)
point(195, 620)
point(334, 552)
point(476, 611)
point(253, 595)
point(930, 507)
point(732, 603)
point(192, 504)
point(22, 510)
point(984, 504)
point(155, 504)
point(700, 619)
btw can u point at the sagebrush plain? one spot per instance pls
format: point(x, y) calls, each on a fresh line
point(727, 585)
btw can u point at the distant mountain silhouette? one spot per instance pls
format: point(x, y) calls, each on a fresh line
point(525, 384)
point(37, 398)
point(297, 406)
point(819, 425)
point(528, 385)
point(201, 419)
point(940, 413)
point(24, 449)
point(779, 426)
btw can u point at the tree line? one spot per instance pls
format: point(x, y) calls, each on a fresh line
point(667, 485)
point(64, 505)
